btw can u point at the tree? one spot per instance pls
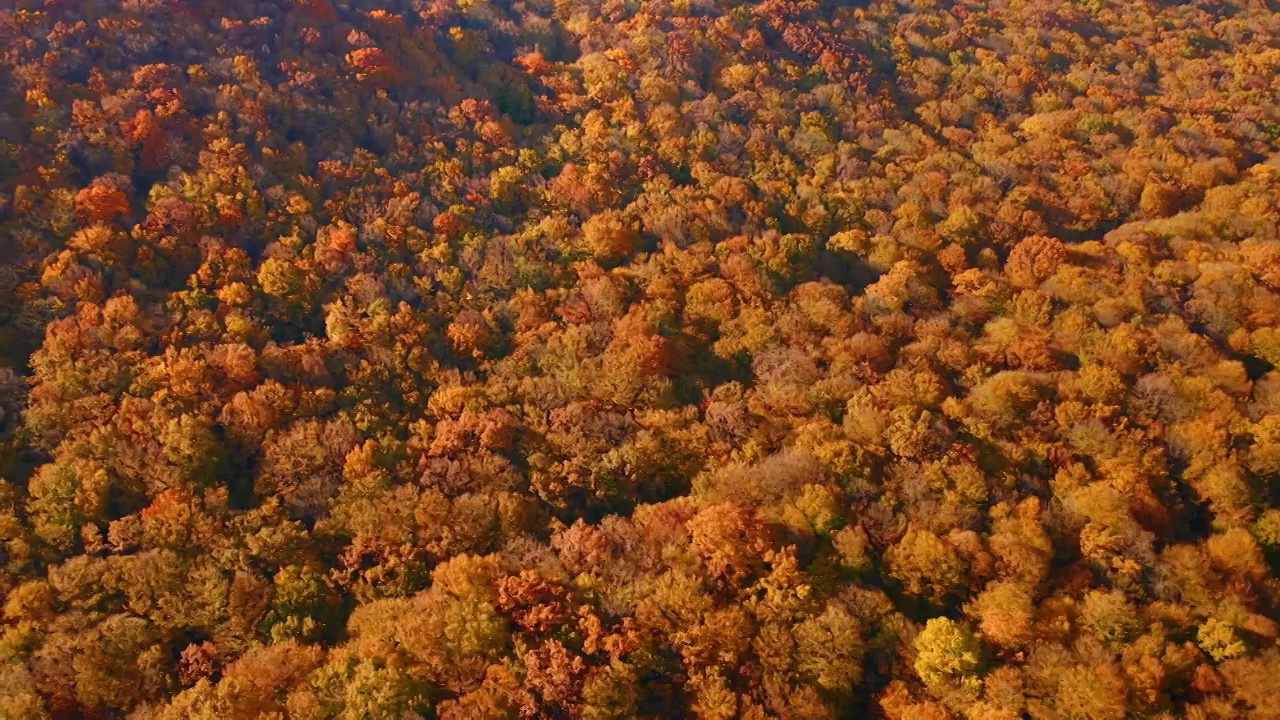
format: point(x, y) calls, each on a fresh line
point(1033, 260)
point(927, 567)
point(1005, 613)
point(947, 652)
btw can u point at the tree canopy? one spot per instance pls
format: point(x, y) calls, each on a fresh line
point(588, 359)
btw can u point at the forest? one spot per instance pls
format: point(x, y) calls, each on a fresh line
point(612, 359)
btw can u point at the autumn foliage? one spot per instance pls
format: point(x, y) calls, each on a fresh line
point(588, 359)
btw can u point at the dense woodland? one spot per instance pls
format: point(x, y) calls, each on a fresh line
point(587, 359)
